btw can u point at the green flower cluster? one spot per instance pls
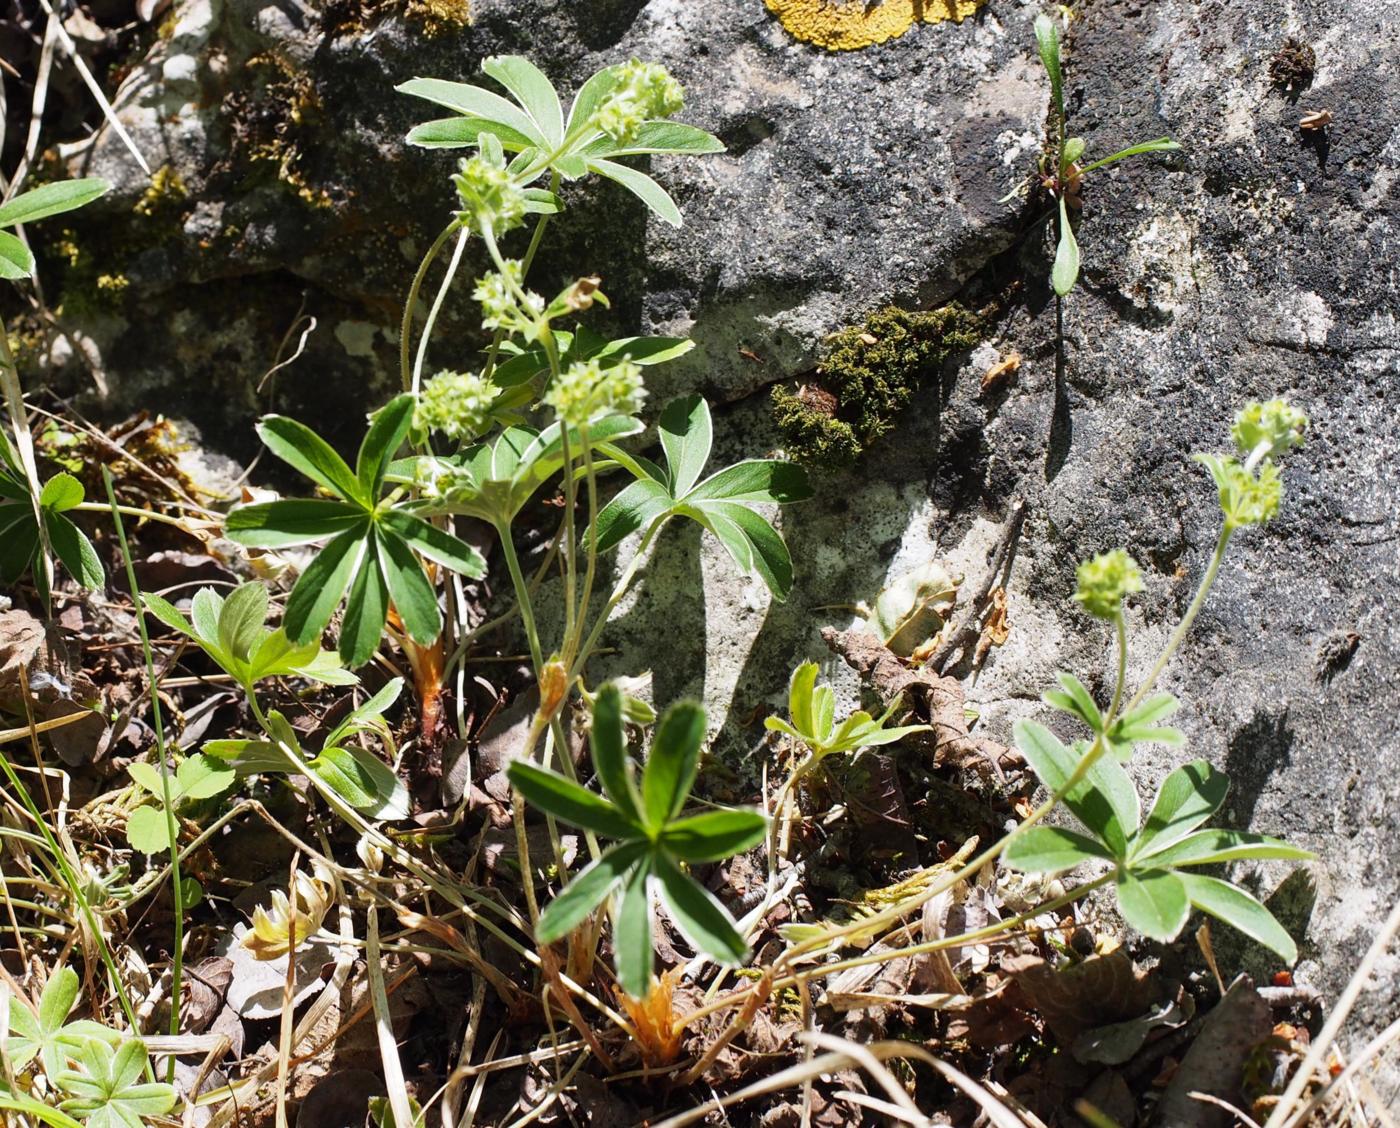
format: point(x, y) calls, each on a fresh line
point(587, 390)
point(1266, 430)
point(1105, 581)
point(456, 403)
point(490, 197)
point(500, 309)
point(1251, 491)
point(644, 92)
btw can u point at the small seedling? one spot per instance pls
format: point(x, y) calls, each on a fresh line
point(1064, 177)
point(812, 713)
point(197, 777)
point(654, 840)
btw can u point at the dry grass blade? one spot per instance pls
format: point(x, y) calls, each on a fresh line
point(1369, 1053)
point(384, 1027)
point(1283, 1112)
point(91, 83)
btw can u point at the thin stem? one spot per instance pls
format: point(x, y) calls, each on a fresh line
point(406, 326)
point(591, 569)
point(522, 597)
point(1174, 643)
point(133, 511)
point(24, 443)
point(440, 297)
point(1121, 630)
point(172, 826)
point(619, 590)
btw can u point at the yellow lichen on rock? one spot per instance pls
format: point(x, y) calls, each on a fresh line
point(850, 25)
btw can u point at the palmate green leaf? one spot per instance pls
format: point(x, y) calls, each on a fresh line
point(475, 102)
point(632, 932)
point(1051, 850)
point(587, 891)
point(321, 587)
point(1140, 726)
point(640, 185)
point(608, 741)
point(413, 596)
point(702, 920)
point(634, 508)
point(459, 132)
point(754, 481)
point(1153, 901)
point(1105, 800)
point(434, 544)
point(241, 620)
point(382, 440)
point(686, 435)
point(1239, 910)
point(588, 99)
point(366, 609)
point(535, 93)
point(15, 260)
point(751, 542)
point(362, 780)
point(566, 800)
point(714, 835)
point(51, 199)
point(1215, 845)
point(305, 451)
point(1187, 797)
point(18, 1102)
point(1065, 271)
point(108, 1093)
point(658, 137)
point(672, 763)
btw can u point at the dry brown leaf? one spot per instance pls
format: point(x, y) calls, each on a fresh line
point(1095, 992)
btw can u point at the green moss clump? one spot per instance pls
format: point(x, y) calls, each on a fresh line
point(867, 376)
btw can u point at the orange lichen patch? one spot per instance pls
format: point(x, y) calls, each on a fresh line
point(848, 26)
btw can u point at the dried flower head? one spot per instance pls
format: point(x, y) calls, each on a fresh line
point(289, 921)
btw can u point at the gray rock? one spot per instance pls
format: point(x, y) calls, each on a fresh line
point(1258, 262)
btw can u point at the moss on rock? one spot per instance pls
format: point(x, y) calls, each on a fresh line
point(867, 376)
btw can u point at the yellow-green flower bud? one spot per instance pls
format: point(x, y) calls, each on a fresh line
point(644, 92)
point(1105, 580)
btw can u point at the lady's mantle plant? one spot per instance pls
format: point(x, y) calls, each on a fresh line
point(655, 840)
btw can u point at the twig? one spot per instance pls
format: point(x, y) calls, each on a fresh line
point(968, 630)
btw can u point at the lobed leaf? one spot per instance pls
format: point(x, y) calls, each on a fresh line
point(305, 451)
point(608, 741)
point(587, 891)
point(714, 835)
point(1239, 910)
point(632, 932)
point(700, 917)
point(564, 799)
point(1051, 850)
point(672, 763)
point(1153, 901)
point(642, 186)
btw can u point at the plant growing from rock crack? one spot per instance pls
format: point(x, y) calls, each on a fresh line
point(654, 840)
point(1063, 177)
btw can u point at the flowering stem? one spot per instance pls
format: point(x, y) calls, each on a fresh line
point(522, 596)
point(619, 590)
point(406, 326)
point(1121, 630)
point(446, 285)
point(1174, 643)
